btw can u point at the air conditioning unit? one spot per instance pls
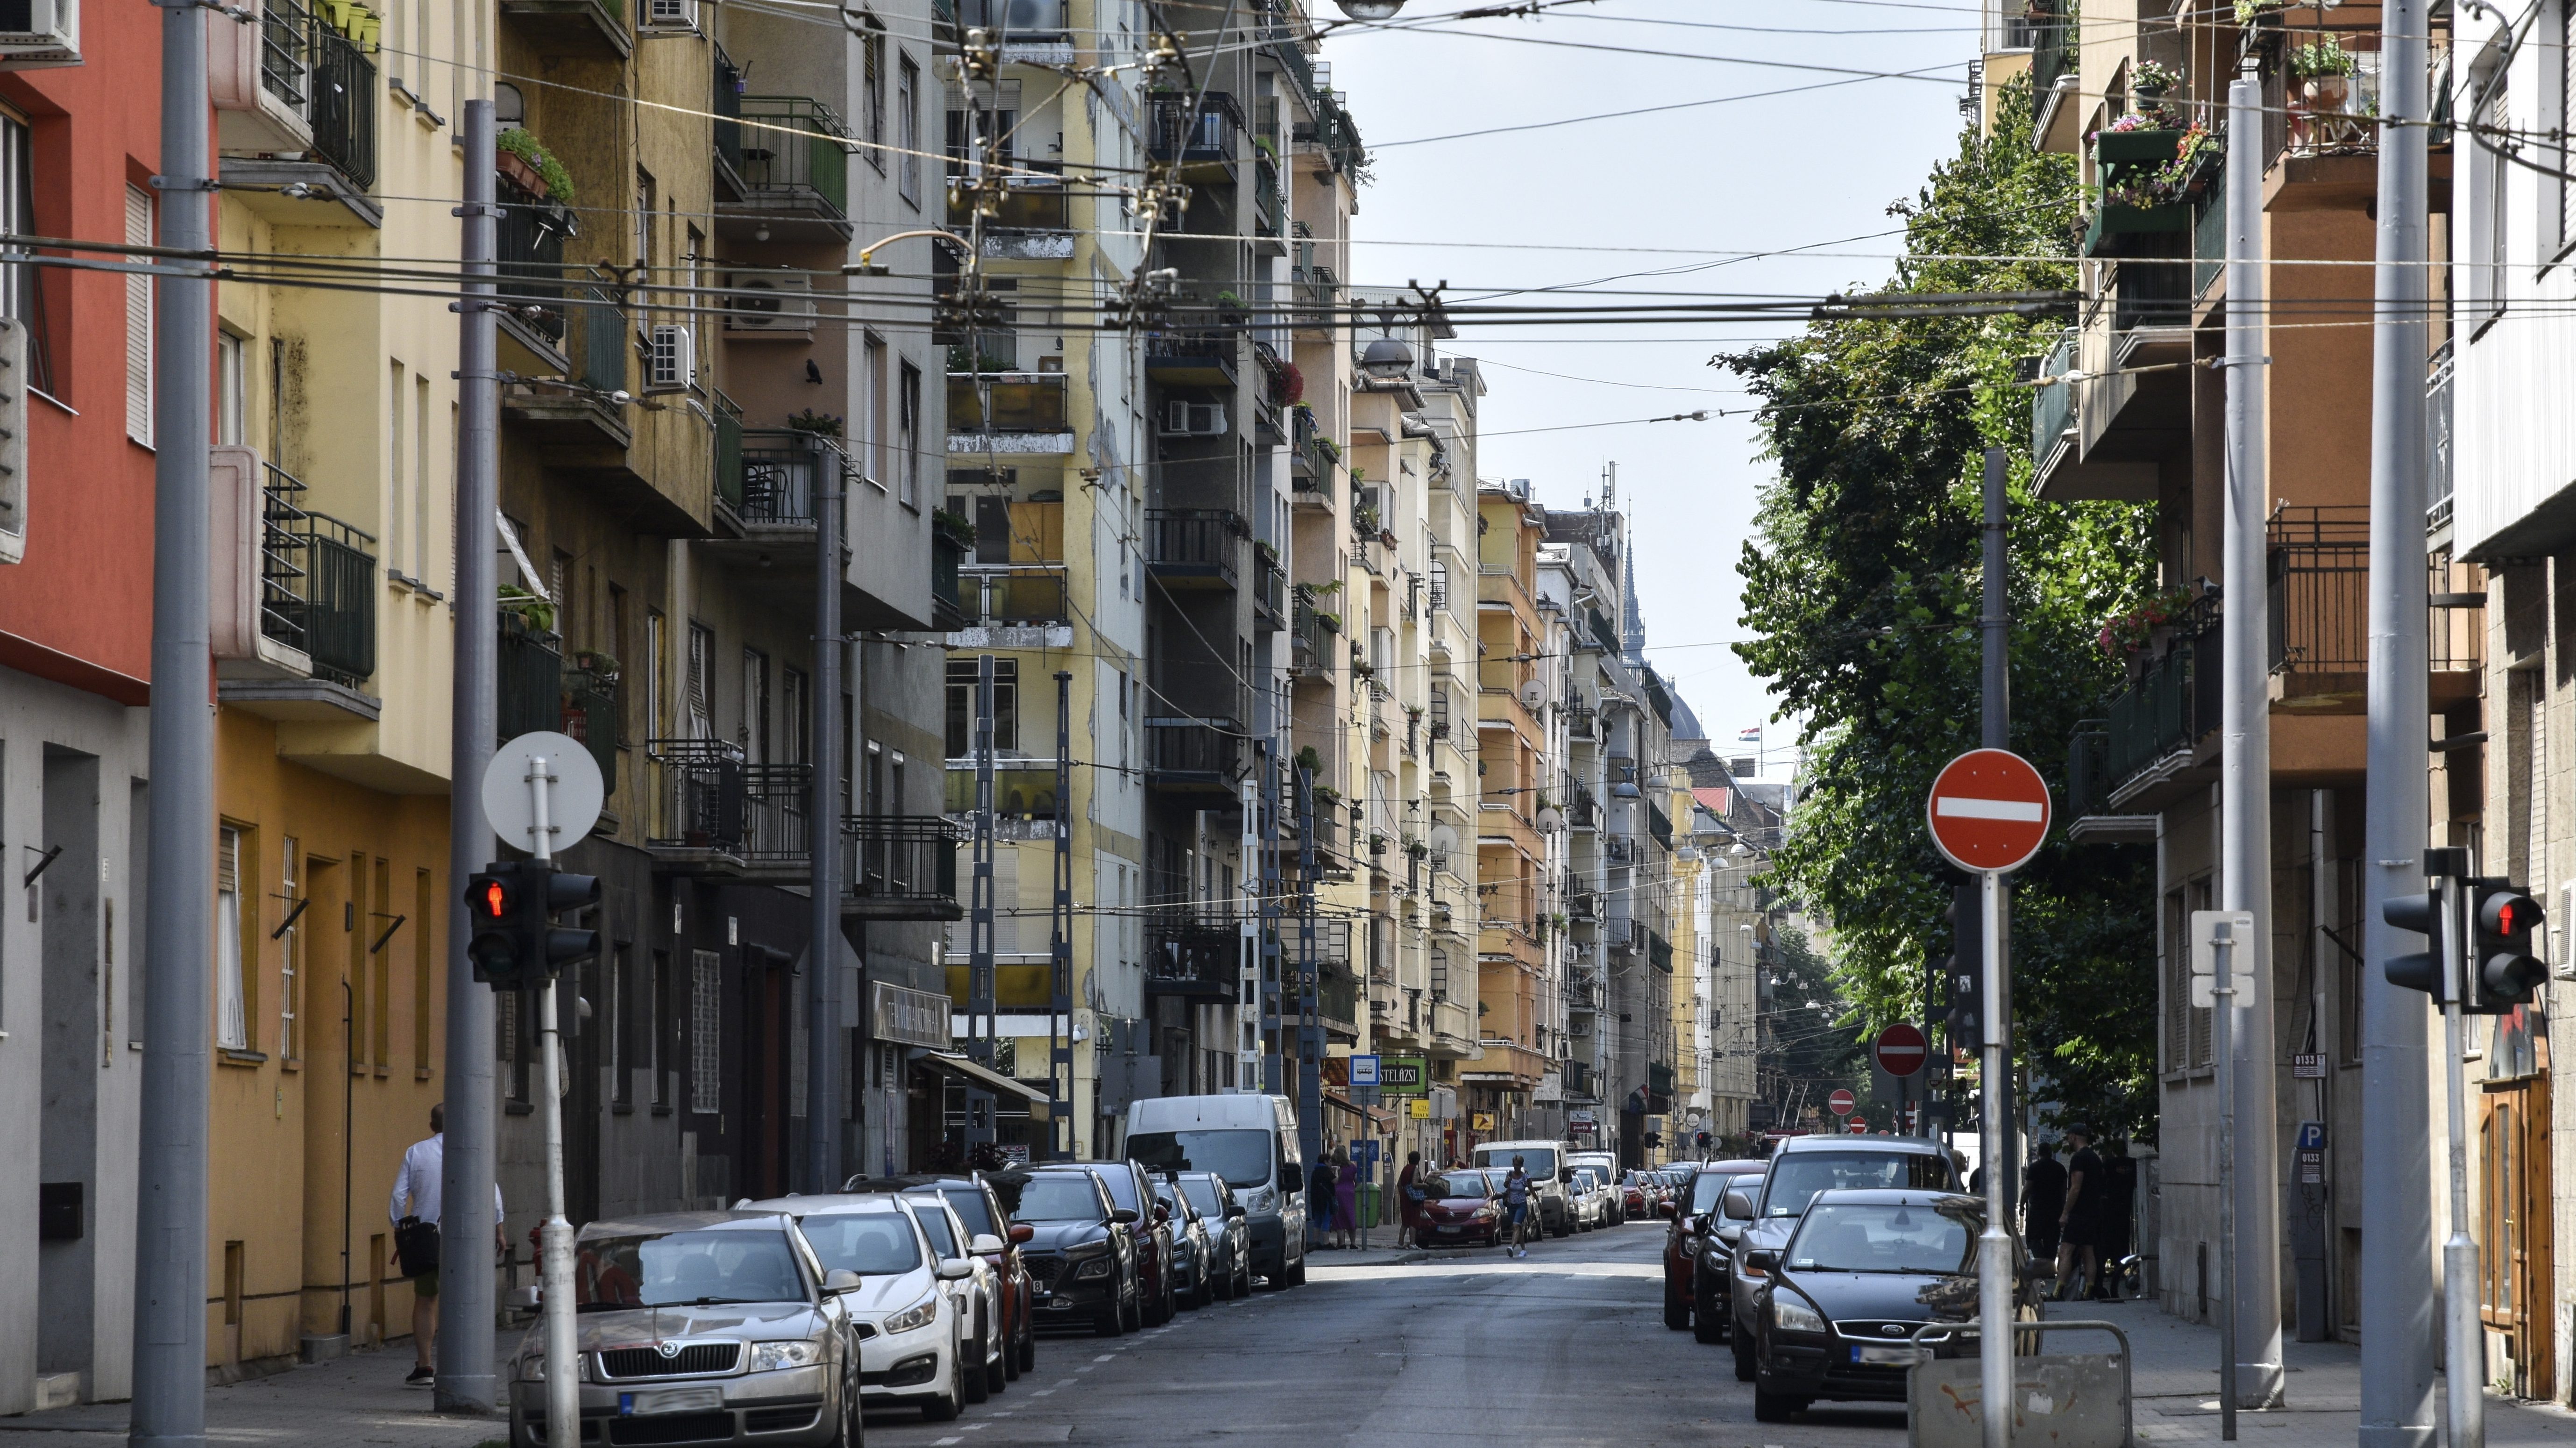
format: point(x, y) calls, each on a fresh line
point(770, 304)
point(671, 14)
point(1194, 419)
point(675, 359)
point(42, 33)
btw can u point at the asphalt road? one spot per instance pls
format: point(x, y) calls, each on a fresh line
point(1565, 1347)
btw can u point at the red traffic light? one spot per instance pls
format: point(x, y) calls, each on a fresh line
point(2504, 913)
point(496, 900)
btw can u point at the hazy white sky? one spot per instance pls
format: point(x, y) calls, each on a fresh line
point(1755, 174)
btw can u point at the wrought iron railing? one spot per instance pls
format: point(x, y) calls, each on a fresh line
point(780, 467)
point(796, 147)
point(1191, 751)
point(713, 799)
point(2053, 38)
point(528, 669)
point(2172, 701)
point(1177, 130)
point(591, 715)
point(324, 77)
point(602, 345)
point(528, 242)
point(896, 859)
point(317, 583)
point(1193, 958)
point(2319, 579)
point(1197, 539)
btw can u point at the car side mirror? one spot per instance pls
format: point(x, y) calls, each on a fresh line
point(1760, 1261)
point(956, 1269)
point(524, 1299)
point(1739, 1205)
point(840, 1279)
point(1691, 1225)
point(1123, 1217)
point(985, 1244)
point(1022, 1231)
point(1233, 1210)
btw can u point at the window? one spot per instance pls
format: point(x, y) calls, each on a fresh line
point(872, 89)
point(22, 288)
point(397, 511)
point(909, 423)
point(755, 706)
point(424, 969)
point(907, 100)
point(653, 674)
point(232, 1026)
point(138, 320)
point(647, 254)
point(1124, 728)
point(706, 1020)
point(290, 884)
point(231, 401)
point(2488, 173)
point(796, 726)
point(621, 1088)
point(873, 445)
point(380, 966)
point(702, 643)
point(422, 479)
point(656, 1022)
point(963, 678)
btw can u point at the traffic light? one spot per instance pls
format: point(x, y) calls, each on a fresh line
point(2429, 969)
point(515, 944)
point(1967, 967)
point(2503, 973)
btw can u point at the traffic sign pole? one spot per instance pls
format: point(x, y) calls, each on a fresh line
point(563, 1383)
point(1994, 1245)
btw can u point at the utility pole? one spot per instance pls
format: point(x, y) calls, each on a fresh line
point(980, 1006)
point(1995, 731)
point(1060, 936)
point(465, 1286)
point(2464, 1333)
point(825, 1040)
point(1247, 996)
point(1310, 1032)
point(170, 1211)
point(2396, 1298)
point(1272, 1075)
point(2245, 763)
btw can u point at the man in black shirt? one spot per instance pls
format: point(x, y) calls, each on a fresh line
point(2043, 1196)
point(2079, 1219)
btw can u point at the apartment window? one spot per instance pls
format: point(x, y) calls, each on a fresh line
point(232, 1012)
point(796, 723)
point(755, 706)
point(702, 646)
point(22, 288)
point(2488, 173)
point(872, 88)
point(657, 1021)
point(653, 626)
point(424, 968)
point(1124, 729)
point(647, 255)
point(231, 401)
point(963, 677)
point(907, 100)
point(290, 939)
point(138, 320)
point(380, 1024)
point(909, 424)
point(621, 1089)
point(874, 405)
point(397, 513)
point(873, 799)
point(706, 1021)
point(422, 478)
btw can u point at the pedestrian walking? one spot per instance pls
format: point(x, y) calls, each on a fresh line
point(415, 1212)
point(1410, 1195)
point(1516, 1202)
point(1346, 1191)
point(2043, 1196)
point(2079, 1221)
point(2112, 1239)
point(1319, 1203)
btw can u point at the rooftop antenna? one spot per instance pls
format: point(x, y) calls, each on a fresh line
point(1609, 486)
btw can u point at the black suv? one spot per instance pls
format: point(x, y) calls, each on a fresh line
point(1081, 1252)
point(1157, 1267)
point(1800, 1168)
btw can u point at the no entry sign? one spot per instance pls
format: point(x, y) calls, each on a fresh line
point(1988, 811)
point(1900, 1050)
point(1856, 1126)
point(1840, 1103)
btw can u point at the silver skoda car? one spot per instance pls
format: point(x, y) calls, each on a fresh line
point(700, 1328)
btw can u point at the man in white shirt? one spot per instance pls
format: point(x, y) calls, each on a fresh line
point(416, 1197)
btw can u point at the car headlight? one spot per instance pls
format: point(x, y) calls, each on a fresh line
point(1486, 1213)
point(1261, 1201)
point(1791, 1315)
point(1096, 1267)
point(920, 1315)
point(771, 1356)
point(532, 1368)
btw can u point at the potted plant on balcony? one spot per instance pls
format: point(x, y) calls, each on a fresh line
point(531, 167)
point(954, 529)
point(2151, 80)
point(535, 613)
point(2259, 14)
point(820, 424)
point(2323, 70)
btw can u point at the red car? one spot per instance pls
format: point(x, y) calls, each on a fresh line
point(1461, 1209)
point(1698, 1197)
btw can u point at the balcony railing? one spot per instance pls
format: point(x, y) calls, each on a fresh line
point(1032, 203)
point(2053, 39)
point(947, 601)
point(1189, 755)
point(528, 240)
point(796, 149)
point(2320, 591)
point(2170, 704)
point(317, 583)
point(714, 800)
point(1197, 543)
point(903, 863)
point(1015, 599)
point(1659, 952)
point(1309, 642)
point(780, 467)
point(324, 77)
point(591, 715)
point(1205, 133)
point(1193, 959)
point(529, 671)
point(1007, 402)
point(1022, 789)
point(602, 343)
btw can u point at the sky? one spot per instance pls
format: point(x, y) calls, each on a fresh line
point(1763, 173)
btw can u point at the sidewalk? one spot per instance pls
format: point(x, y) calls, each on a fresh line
point(2176, 1387)
point(1383, 1255)
point(357, 1399)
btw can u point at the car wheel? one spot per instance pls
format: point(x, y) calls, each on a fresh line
point(852, 1431)
point(1677, 1313)
point(970, 1375)
point(1028, 1353)
point(1770, 1407)
point(1243, 1279)
point(997, 1374)
point(1708, 1324)
point(1131, 1314)
point(946, 1407)
point(1297, 1274)
point(1743, 1356)
point(1011, 1346)
point(1109, 1324)
point(1224, 1287)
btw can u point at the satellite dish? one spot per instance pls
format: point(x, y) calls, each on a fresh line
point(1444, 839)
point(1551, 819)
point(1533, 695)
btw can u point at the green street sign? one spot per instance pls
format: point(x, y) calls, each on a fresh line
point(1404, 1076)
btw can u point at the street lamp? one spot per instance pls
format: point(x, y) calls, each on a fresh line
point(1387, 359)
point(1370, 9)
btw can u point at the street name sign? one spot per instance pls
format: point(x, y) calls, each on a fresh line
point(1988, 811)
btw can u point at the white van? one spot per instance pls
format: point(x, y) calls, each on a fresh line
point(1249, 1140)
point(1549, 1170)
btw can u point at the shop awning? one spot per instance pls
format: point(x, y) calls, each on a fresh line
point(988, 1078)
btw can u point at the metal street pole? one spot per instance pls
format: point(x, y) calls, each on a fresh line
point(825, 1040)
point(1310, 1031)
point(554, 1238)
point(980, 1006)
point(1247, 1010)
point(2223, 1023)
point(2464, 1334)
point(1995, 731)
point(2396, 1298)
point(2245, 768)
point(170, 1210)
point(1060, 935)
point(466, 1383)
point(1996, 1254)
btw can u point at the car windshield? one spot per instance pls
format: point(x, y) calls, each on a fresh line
point(1240, 1155)
point(1879, 1237)
point(972, 1206)
point(1202, 1195)
point(1461, 1184)
point(1537, 1160)
point(863, 1242)
point(934, 1225)
point(1797, 1176)
point(671, 1269)
point(1060, 1197)
point(1584, 1179)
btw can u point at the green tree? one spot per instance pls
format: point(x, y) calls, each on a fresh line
point(1861, 593)
point(1808, 1044)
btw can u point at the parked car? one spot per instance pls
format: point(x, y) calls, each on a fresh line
point(1637, 1195)
point(1081, 1251)
point(1133, 1190)
point(1843, 1296)
point(1591, 1199)
point(1797, 1171)
point(1720, 1230)
point(913, 1345)
point(1249, 1140)
point(1229, 1233)
point(1606, 1167)
point(1545, 1162)
point(976, 1202)
point(1190, 1250)
point(979, 1293)
point(726, 1321)
point(1698, 1206)
point(1462, 1208)
point(1676, 1182)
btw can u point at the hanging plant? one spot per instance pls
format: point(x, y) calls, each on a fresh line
point(821, 424)
point(551, 175)
point(533, 611)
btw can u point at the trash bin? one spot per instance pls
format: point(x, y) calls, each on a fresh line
point(2068, 1400)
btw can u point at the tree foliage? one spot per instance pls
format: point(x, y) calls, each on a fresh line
point(1807, 1040)
point(1862, 594)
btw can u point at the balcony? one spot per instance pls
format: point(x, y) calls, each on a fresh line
point(1030, 32)
point(1270, 596)
point(1195, 548)
point(295, 595)
point(575, 417)
point(529, 239)
point(722, 815)
point(1014, 413)
point(1031, 219)
point(529, 671)
point(2319, 583)
point(900, 867)
point(795, 171)
point(1200, 141)
point(1193, 960)
point(311, 118)
point(1199, 359)
point(1337, 1005)
point(1023, 789)
point(2156, 724)
point(947, 602)
point(1190, 756)
point(590, 29)
point(1310, 640)
point(1319, 299)
point(2054, 64)
point(777, 484)
point(593, 714)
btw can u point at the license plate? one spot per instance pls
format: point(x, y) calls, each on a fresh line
point(670, 1400)
point(1451, 1231)
point(1890, 1356)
